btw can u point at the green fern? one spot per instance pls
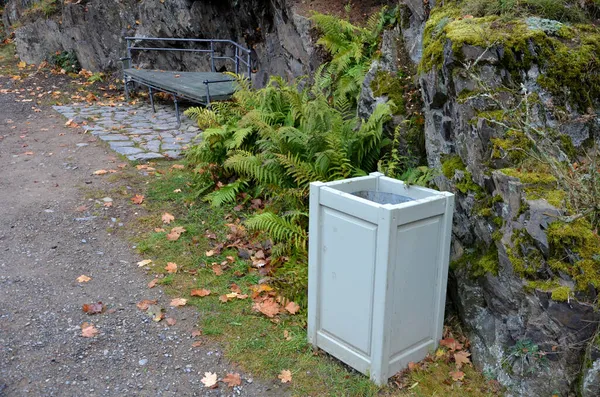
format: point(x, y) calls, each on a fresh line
point(281, 229)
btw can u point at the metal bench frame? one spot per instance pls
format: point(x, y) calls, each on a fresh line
point(241, 60)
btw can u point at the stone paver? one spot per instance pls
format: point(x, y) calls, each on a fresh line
point(134, 130)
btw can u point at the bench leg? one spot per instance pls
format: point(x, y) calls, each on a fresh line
point(126, 84)
point(177, 111)
point(151, 99)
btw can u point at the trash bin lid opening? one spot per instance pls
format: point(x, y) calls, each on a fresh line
point(382, 197)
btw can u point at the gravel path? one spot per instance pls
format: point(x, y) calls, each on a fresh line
point(47, 240)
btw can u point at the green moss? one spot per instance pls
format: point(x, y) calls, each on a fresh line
point(553, 197)
point(525, 263)
point(390, 85)
point(497, 235)
point(578, 243)
point(479, 262)
point(561, 294)
point(497, 199)
point(514, 145)
point(498, 221)
point(569, 58)
point(451, 164)
point(485, 212)
point(567, 145)
point(529, 177)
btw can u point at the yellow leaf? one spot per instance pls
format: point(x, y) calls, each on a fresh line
point(100, 172)
point(178, 302)
point(285, 376)
point(145, 262)
point(83, 278)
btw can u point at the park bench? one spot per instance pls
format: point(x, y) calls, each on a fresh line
point(196, 87)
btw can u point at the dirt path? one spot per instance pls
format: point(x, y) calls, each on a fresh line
point(46, 243)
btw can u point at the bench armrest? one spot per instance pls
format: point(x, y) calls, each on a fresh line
point(126, 62)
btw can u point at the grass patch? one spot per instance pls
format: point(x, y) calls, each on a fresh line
point(260, 345)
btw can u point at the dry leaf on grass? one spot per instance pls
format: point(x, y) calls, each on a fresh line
point(224, 298)
point(461, 358)
point(457, 375)
point(268, 307)
point(178, 166)
point(145, 304)
point(137, 199)
point(93, 308)
point(83, 279)
point(209, 253)
point(167, 218)
point(175, 233)
point(171, 267)
point(88, 330)
point(286, 335)
point(292, 307)
point(217, 269)
point(232, 380)
point(285, 376)
point(451, 344)
point(145, 262)
point(200, 292)
point(209, 380)
point(176, 302)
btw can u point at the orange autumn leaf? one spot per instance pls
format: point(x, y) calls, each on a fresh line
point(285, 376)
point(167, 218)
point(292, 307)
point(83, 279)
point(268, 307)
point(223, 298)
point(137, 199)
point(216, 268)
point(451, 344)
point(200, 292)
point(171, 267)
point(457, 375)
point(88, 330)
point(93, 308)
point(100, 172)
point(232, 380)
point(461, 358)
point(175, 233)
point(176, 302)
point(145, 304)
point(178, 166)
point(197, 344)
point(152, 283)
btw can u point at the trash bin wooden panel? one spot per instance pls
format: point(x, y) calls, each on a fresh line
point(378, 265)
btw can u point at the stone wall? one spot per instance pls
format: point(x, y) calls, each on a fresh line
point(94, 30)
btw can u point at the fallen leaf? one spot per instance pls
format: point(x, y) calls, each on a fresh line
point(145, 262)
point(200, 292)
point(100, 172)
point(137, 199)
point(175, 233)
point(451, 344)
point(285, 376)
point(177, 191)
point(412, 366)
point(145, 304)
point(232, 380)
point(224, 298)
point(209, 380)
point(21, 65)
point(167, 218)
point(197, 344)
point(178, 166)
point(108, 205)
point(268, 307)
point(93, 308)
point(171, 267)
point(28, 153)
point(260, 255)
point(216, 268)
point(88, 330)
point(196, 333)
point(457, 375)
point(83, 279)
point(171, 321)
point(235, 288)
point(159, 230)
point(209, 253)
point(292, 307)
point(152, 283)
point(461, 358)
point(178, 302)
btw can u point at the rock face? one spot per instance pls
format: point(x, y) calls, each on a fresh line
point(94, 30)
point(531, 335)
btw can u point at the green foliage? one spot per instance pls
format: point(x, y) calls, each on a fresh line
point(66, 60)
point(45, 8)
point(352, 49)
point(96, 77)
